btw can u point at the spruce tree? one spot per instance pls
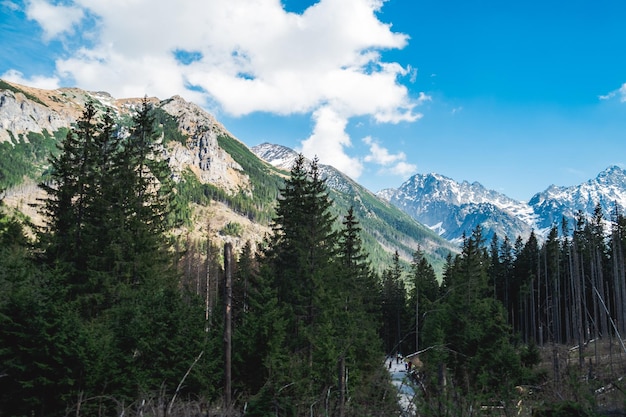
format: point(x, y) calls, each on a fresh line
point(393, 306)
point(424, 293)
point(302, 248)
point(474, 339)
point(68, 190)
point(326, 292)
point(355, 319)
point(38, 329)
point(107, 201)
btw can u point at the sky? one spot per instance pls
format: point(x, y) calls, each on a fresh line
point(516, 95)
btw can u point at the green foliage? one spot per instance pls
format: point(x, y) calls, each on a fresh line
point(101, 320)
point(562, 409)
point(381, 221)
point(232, 229)
point(393, 304)
point(25, 157)
point(468, 333)
point(167, 125)
point(36, 341)
point(319, 313)
point(265, 180)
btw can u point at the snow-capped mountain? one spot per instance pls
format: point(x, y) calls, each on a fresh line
point(283, 157)
point(608, 190)
point(452, 208)
point(279, 156)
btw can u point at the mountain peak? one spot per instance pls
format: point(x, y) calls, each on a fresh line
point(612, 175)
point(279, 156)
point(454, 208)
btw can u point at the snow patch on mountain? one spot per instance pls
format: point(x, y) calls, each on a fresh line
point(279, 156)
point(453, 208)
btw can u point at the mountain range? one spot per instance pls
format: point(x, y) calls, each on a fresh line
point(453, 208)
point(207, 160)
point(428, 211)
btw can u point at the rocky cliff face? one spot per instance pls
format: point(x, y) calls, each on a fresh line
point(24, 109)
point(202, 153)
point(20, 115)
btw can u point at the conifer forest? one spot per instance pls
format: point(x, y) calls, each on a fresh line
point(103, 312)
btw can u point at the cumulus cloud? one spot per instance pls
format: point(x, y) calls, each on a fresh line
point(403, 169)
point(47, 83)
point(242, 56)
point(328, 143)
point(54, 19)
point(620, 93)
point(391, 163)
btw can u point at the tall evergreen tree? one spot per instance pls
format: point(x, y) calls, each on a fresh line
point(393, 306)
point(68, 199)
point(301, 254)
point(471, 336)
point(106, 205)
point(355, 320)
point(424, 294)
point(37, 329)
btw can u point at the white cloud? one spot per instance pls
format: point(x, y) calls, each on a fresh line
point(391, 163)
point(53, 19)
point(380, 155)
point(47, 83)
point(620, 92)
point(10, 5)
point(403, 169)
point(248, 56)
point(328, 142)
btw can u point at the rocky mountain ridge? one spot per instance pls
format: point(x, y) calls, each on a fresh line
point(25, 110)
point(451, 208)
point(446, 207)
point(199, 144)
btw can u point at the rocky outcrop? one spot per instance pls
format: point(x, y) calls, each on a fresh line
point(25, 109)
point(202, 153)
point(21, 115)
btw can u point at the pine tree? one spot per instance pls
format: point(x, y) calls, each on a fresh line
point(37, 329)
point(355, 318)
point(393, 306)
point(106, 206)
point(68, 199)
point(425, 291)
point(470, 333)
point(301, 255)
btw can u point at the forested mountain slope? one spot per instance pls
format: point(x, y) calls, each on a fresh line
point(217, 172)
point(129, 298)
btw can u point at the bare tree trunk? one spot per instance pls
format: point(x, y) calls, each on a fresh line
point(578, 310)
point(208, 307)
point(228, 303)
point(342, 385)
point(533, 312)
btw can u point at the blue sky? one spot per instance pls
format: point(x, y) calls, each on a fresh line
point(514, 95)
